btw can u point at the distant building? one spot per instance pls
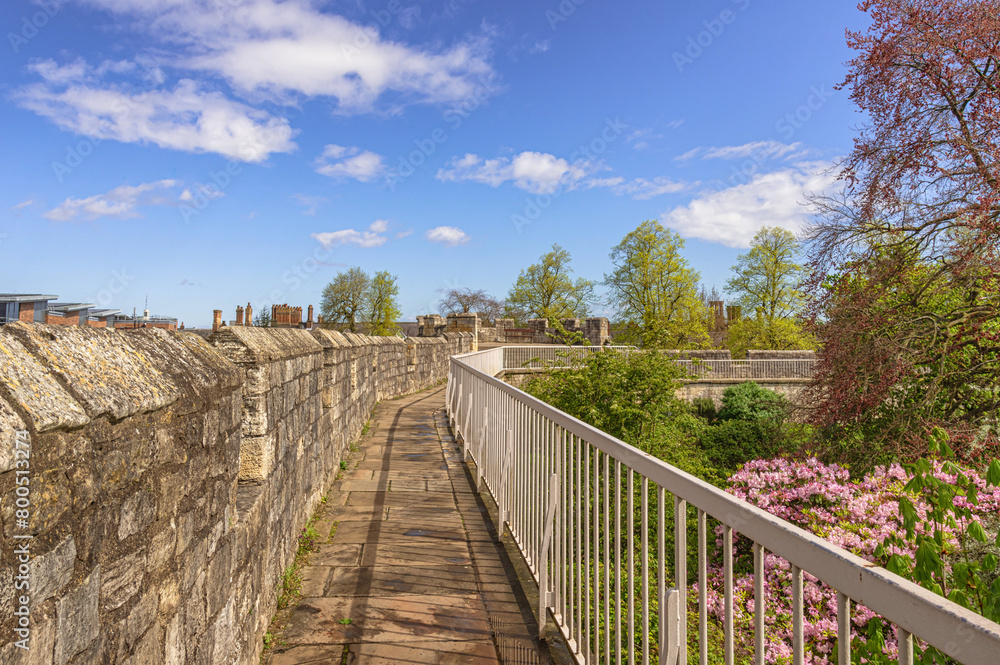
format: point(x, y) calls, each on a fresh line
point(39, 308)
point(145, 321)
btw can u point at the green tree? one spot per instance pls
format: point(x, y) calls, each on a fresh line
point(766, 279)
point(655, 291)
point(547, 290)
point(346, 297)
point(383, 309)
point(262, 319)
point(761, 333)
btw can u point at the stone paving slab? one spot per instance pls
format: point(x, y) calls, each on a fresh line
point(412, 573)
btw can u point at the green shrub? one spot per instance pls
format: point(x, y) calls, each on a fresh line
point(705, 408)
point(751, 402)
point(731, 443)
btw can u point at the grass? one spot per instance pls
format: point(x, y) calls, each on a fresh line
point(291, 585)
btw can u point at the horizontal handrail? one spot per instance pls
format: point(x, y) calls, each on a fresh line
point(553, 356)
point(495, 419)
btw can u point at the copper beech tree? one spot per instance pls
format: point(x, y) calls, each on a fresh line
point(905, 259)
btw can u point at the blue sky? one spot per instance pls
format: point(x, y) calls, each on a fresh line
point(207, 153)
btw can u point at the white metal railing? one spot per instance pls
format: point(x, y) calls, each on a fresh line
point(554, 356)
point(550, 355)
point(565, 490)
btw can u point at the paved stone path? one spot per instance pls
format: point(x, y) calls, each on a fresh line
point(412, 573)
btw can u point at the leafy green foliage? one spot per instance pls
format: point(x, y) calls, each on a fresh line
point(547, 290)
point(753, 403)
point(655, 291)
point(763, 333)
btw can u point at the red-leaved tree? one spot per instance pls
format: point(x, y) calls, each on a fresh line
point(905, 260)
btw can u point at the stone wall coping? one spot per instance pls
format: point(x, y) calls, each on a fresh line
point(250, 344)
point(64, 376)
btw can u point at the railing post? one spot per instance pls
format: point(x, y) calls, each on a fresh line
point(465, 428)
point(454, 414)
point(481, 455)
point(543, 556)
point(672, 627)
point(504, 474)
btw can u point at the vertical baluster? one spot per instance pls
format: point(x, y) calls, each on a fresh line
point(905, 643)
point(680, 573)
point(661, 570)
point(618, 562)
point(631, 564)
point(758, 604)
point(596, 566)
point(607, 560)
point(579, 546)
point(702, 588)
point(585, 570)
point(566, 486)
point(798, 648)
point(843, 629)
point(727, 565)
point(645, 570)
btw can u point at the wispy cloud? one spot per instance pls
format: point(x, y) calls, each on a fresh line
point(287, 49)
point(342, 162)
point(543, 173)
point(732, 216)
point(23, 204)
point(187, 117)
point(311, 203)
point(535, 172)
point(121, 202)
point(450, 236)
point(757, 149)
point(370, 238)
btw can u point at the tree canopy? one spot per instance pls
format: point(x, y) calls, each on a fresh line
point(382, 307)
point(547, 290)
point(905, 259)
point(353, 293)
point(655, 291)
point(768, 277)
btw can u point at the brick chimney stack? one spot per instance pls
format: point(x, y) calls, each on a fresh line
point(248, 321)
point(216, 319)
point(239, 315)
point(309, 321)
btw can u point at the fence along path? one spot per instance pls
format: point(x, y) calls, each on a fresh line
point(566, 490)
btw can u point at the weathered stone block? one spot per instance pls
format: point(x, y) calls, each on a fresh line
point(52, 571)
point(78, 619)
point(121, 579)
point(138, 512)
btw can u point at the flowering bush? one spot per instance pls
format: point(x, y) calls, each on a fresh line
point(928, 522)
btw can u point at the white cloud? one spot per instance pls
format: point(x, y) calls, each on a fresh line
point(542, 173)
point(733, 216)
point(287, 48)
point(185, 118)
point(23, 204)
point(340, 162)
point(535, 172)
point(450, 236)
point(760, 150)
point(643, 189)
point(121, 202)
point(402, 234)
point(366, 239)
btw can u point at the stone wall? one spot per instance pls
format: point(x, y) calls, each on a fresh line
point(170, 476)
